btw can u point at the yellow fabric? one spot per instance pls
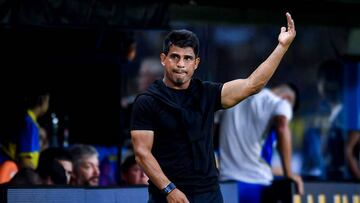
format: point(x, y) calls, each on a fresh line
point(32, 116)
point(32, 157)
point(9, 150)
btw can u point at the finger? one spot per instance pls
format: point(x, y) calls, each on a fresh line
point(292, 27)
point(283, 29)
point(290, 22)
point(288, 17)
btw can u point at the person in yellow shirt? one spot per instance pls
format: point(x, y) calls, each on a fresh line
point(28, 142)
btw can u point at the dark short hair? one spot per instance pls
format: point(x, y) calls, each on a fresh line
point(129, 161)
point(36, 97)
point(50, 167)
point(181, 38)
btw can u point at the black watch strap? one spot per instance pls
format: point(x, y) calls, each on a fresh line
point(166, 190)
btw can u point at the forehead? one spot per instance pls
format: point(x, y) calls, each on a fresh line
point(189, 51)
point(93, 159)
point(66, 163)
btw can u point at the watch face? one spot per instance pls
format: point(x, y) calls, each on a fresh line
point(169, 188)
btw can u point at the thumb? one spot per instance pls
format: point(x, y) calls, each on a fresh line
point(283, 29)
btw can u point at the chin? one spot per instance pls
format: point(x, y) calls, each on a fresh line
point(94, 183)
point(178, 83)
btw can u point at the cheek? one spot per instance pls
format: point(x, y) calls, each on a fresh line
point(86, 173)
point(134, 174)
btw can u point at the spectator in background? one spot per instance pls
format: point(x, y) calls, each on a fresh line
point(64, 159)
point(28, 142)
point(248, 133)
point(21, 142)
point(150, 70)
point(132, 173)
point(86, 165)
point(55, 166)
point(52, 172)
point(324, 156)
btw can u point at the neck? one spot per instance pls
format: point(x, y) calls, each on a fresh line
point(36, 112)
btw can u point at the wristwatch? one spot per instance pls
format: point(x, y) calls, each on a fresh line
point(166, 190)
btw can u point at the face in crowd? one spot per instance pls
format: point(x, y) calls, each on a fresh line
point(135, 175)
point(88, 172)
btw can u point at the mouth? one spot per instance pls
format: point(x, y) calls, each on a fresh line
point(180, 72)
point(94, 180)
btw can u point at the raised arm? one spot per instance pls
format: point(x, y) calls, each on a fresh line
point(236, 90)
point(142, 141)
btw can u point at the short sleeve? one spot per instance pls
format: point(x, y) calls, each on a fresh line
point(29, 138)
point(142, 117)
point(214, 90)
point(283, 108)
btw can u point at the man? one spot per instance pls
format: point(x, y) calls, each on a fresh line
point(248, 132)
point(55, 166)
point(325, 136)
point(28, 142)
point(85, 161)
point(132, 173)
point(64, 159)
point(172, 121)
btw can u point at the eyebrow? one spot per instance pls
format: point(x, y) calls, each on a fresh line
point(185, 56)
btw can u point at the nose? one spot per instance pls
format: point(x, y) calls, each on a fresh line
point(96, 171)
point(181, 63)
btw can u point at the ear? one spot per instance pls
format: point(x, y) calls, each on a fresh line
point(197, 62)
point(162, 58)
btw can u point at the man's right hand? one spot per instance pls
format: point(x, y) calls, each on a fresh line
point(176, 196)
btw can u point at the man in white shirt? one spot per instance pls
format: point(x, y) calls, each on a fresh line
point(248, 132)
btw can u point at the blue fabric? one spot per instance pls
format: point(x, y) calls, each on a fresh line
point(352, 96)
point(29, 140)
point(267, 149)
point(313, 165)
point(251, 193)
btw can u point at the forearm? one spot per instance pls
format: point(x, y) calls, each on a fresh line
point(354, 167)
point(152, 169)
point(354, 138)
point(264, 72)
point(285, 150)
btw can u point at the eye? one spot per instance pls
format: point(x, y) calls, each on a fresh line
point(174, 56)
point(189, 58)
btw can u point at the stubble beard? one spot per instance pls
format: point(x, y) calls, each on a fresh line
point(179, 81)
